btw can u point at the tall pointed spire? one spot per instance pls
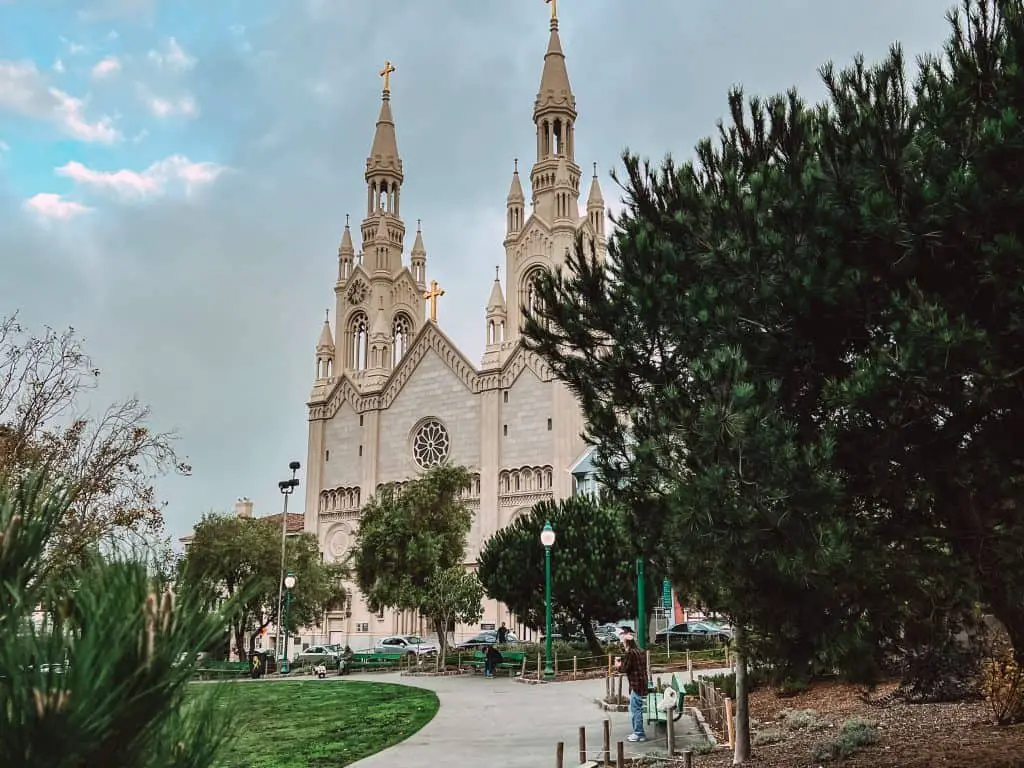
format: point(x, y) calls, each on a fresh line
point(418, 258)
point(384, 150)
point(384, 175)
point(555, 90)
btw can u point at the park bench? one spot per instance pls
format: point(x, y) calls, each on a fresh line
point(654, 712)
point(212, 670)
point(372, 660)
point(512, 661)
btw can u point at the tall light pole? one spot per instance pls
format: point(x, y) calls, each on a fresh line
point(641, 607)
point(547, 538)
point(287, 487)
point(289, 583)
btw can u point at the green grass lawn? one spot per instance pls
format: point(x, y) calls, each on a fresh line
point(320, 724)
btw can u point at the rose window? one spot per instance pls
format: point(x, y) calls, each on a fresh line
point(431, 444)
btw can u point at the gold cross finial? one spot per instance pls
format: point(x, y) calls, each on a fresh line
point(432, 295)
point(554, 9)
point(386, 74)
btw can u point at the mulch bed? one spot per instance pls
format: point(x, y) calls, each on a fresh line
point(910, 736)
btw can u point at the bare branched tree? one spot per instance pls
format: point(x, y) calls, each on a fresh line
point(111, 459)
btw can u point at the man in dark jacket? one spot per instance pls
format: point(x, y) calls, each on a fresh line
point(491, 661)
point(634, 666)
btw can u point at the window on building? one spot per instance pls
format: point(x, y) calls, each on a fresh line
point(505, 396)
point(327, 455)
point(504, 429)
point(360, 450)
point(549, 425)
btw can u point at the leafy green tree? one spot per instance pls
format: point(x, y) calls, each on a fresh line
point(408, 536)
point(453, 596)
point(95, 664)
point(229, 555)
point(593, 566)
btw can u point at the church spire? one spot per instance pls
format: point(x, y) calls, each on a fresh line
point(554, 114)
point(515, 202)
point(384, 175)
point(325, 351)
point(595, 206)
point(346, 254)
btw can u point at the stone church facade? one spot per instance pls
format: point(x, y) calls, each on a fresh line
point(393, 395)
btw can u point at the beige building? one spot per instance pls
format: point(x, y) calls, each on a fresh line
point(393, 395)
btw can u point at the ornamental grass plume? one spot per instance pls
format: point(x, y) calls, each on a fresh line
point(95, 663)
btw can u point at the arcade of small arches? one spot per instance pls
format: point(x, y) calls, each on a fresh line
point(472, 492)
point(556, 137)
point(495, 331)
point(526, 479)
point(358, 341)
point(340, 499)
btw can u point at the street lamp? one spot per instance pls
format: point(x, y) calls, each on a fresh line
point(547, 538)
point(289, 582)
point(287, 487)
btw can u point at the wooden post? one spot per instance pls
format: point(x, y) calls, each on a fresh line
point(556, 664)
point(688, 759)
point(609, 665)
point(606, 747)
point(607, 688)
point(523, 673)
point(574, 667)
point(730, 726)
point(670, 731)
point(647, 658)
point(583, 744)
point(689, 666)
point(560, 755)
point(618, 700)
point(538, 666)
point(620, 755)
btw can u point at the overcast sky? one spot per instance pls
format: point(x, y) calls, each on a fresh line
point(175, 174)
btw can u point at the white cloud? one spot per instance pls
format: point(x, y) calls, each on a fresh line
point(4, 146)
point(106, 67)
point(172, 57)
point(24, 91)
point(185, 106)
point(73, 48)
point(52, 206)
point(58, 66)
point(175, 171)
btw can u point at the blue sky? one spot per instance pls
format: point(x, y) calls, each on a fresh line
point(175, 174)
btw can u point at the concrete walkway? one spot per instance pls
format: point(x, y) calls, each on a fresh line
point(497, 721)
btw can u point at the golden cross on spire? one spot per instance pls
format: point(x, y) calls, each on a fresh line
point(432, 296)
point(554, 9)
point(386, 74)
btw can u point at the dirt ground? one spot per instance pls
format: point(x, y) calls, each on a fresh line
point(909, 736)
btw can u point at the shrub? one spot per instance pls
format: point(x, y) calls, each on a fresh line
point(99, 676)
point(854, 735)
point(1002, 678)
point(797, 719)
point(767, 736)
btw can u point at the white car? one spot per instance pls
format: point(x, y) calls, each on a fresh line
point(410, 644)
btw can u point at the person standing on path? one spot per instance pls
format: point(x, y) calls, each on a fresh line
point(634, 666)
point(502, 634)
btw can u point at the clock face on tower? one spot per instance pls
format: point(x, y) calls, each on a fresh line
point(357, 292)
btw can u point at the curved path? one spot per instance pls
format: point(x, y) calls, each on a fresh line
point(498, 721)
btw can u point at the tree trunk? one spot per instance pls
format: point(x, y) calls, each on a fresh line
point(441, 627)
point(742, 730)
point(591, 636)
point(240, 642)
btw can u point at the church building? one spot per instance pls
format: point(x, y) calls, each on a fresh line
point(393, 395)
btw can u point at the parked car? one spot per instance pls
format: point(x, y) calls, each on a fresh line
point(484, 639)
point(690, 634)
point(410, 644)
point(328, 655)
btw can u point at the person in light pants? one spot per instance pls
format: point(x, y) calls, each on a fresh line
point(634, 666)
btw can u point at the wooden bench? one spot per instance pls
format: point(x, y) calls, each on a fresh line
point(654, 713)
point(218, 669)
point(375, 660)
point(512, 661)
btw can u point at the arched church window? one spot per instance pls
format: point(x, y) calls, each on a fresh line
point(531, 296)
point(401, 331)
point(431, 445)
point(359, 333)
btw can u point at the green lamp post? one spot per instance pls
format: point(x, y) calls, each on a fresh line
point(641, 608)
point(547, 538)
point(289, 583)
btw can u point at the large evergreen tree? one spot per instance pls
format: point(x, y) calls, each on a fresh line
point(816, 392)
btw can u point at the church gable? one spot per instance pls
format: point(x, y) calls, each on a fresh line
point(405, 293)
point(534, 242)
point(433, 400)
point(430, 339)
point(523, 359)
